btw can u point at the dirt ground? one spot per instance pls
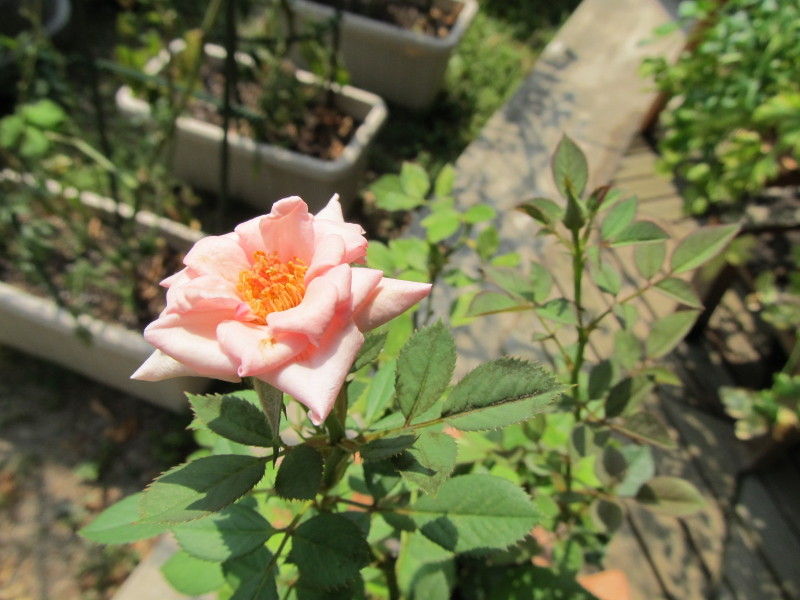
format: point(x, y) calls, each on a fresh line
point(69, 448)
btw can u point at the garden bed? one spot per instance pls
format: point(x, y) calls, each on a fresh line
point(104, 350)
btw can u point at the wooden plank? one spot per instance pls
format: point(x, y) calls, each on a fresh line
point(754, 567)
point(625, 553)
point(586, 84)
point(782, 481)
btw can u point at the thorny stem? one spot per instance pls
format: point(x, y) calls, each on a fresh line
point(287, 533)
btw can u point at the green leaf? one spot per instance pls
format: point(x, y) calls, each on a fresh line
point(627, 349)
point(424, 369)
point(680, 290)
point(329, 550)
point(373, 344)
point(489, 303)
point(626, 393)
point(671, 495)
point(641, 467)
point(558, 310)
point(488, 242)
point(380, 257)
point(441, 224)
point(570, 170)
point(119, 524)
point(425, 571)
point(234, 531)
point(386, 447)
point(618, 218)
point(271, 400)
point(474, 513)
point(640, 232)
point(11, 128)
point(499, 393)
point(443, 187)
point(600, 378)
point(192, 576)
point(607, 278)
point(44, 114)
point(611, 466)
point(700, 246)
point(429, 463)
point(606, 514)
point(479, 213)
point(646, 427)
point(250, 578)
point(198, 488)
point(233, 417)
point(300, 473)
point(34, 143)
point(414, 180)
point(390, 195)
point(667, 332)
point(509, 280)
point(649, 258)
point(381, 390)
point(543, 210)
point(541, 282)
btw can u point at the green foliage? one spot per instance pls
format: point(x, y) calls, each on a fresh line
point(475, 513)
point(732, 125)
point(424, 369)
point(770, 411)
point(192, 576)
point(329, 550)
point(120, 524)
point(300, 474)
point(233, 416)
point(200, 487)
point(500, 393)
point(232, 532)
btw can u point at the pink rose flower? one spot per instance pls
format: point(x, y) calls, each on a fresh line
point(276, 299)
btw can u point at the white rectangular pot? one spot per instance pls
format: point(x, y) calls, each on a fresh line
point(262, 173)
point(406, 67)
point(38, 326)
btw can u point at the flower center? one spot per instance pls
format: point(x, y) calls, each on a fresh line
point(271, 285)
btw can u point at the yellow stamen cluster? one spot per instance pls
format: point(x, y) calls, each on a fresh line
point(270, 285)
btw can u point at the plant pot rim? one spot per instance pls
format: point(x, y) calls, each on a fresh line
point(465, 17)
point(288, 159)
point(107, 337)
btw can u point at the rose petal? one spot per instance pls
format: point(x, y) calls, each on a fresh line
point(190, 338)
point(312, 316)
point(389, 298)
point(332, 210)
point(315, 381)
point(219, 255)
point(328, 253)
point(287, 230)
point(256, 348)
point(160, 366)
point(364, 282)
point(204, 293)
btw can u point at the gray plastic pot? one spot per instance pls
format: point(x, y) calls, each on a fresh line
point(402, 66)
point(262, 173)
point(37, 326)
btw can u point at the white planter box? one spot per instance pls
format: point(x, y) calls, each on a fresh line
point(262, 173)
point(403, 66)
point(38, 326)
